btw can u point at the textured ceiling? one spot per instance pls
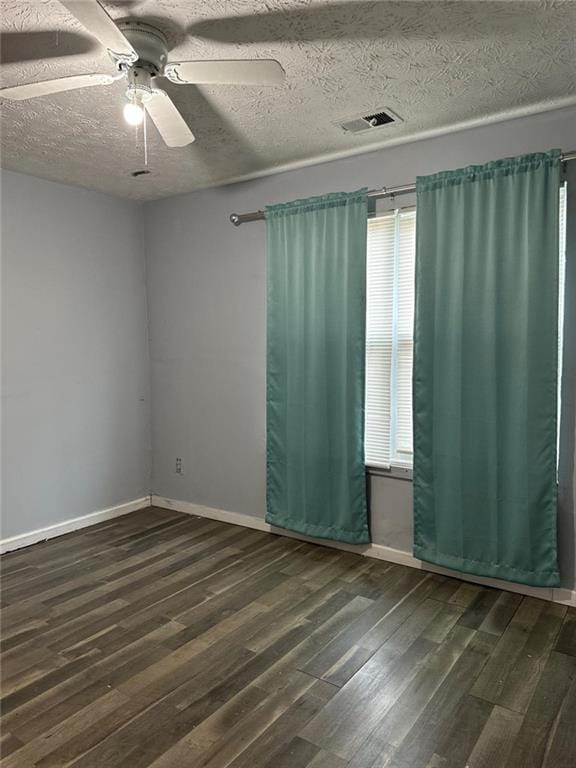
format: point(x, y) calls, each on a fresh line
point(435, 64)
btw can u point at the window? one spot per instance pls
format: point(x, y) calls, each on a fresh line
point(389, 334)
point(389, 338)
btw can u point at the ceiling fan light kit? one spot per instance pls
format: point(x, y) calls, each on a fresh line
point(139, 91)
point(139, 52)
point(134, 112)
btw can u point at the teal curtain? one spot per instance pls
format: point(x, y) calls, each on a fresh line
point(485, 369)
point(316, 306)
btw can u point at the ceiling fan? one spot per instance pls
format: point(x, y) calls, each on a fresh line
point(139, 52)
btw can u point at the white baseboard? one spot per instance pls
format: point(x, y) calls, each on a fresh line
point(378, 551)
point(58, 529)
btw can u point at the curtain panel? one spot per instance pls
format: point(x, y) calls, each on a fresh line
point(485, 369)
point(316, 306)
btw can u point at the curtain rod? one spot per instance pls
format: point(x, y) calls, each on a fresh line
point(373, 194)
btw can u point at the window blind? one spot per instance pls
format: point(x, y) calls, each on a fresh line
point(389, 338)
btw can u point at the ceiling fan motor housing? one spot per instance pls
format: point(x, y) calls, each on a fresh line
point(149, 43)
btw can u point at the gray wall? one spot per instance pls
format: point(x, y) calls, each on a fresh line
point(75, 363)
point(207, 310)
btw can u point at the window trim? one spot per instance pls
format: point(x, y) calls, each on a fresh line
point(394, 471)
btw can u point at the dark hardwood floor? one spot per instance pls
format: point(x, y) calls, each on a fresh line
point(159, 639)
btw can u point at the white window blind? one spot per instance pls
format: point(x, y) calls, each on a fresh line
point(389, 338)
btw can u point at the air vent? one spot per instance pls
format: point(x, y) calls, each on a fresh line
point(379, 119)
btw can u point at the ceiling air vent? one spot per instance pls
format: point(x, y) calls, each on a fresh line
point(370, 122)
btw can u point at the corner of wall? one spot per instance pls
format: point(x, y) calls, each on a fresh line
point(141, 224)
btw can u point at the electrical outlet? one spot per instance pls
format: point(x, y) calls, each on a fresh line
point(179, 466)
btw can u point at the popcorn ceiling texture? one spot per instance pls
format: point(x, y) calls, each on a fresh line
point(436, 64)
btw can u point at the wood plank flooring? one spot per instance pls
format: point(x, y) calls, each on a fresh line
point(163, 640)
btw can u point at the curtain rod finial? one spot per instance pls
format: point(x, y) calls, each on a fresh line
point(235, 219)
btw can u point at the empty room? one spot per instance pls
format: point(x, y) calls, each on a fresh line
point(288, 384)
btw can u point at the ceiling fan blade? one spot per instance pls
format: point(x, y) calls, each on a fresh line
point(239, 72)
point(47, 87)
point(168, 120)
point(93, 16)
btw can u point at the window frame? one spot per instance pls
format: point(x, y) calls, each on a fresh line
point(397, 468)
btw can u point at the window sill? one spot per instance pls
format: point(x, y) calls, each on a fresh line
point(395, 471)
